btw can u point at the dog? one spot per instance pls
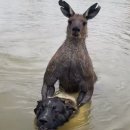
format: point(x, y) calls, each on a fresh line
point(53, 112)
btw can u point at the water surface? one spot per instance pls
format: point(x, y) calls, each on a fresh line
point(30, 33)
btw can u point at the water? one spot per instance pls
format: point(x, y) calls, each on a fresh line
point(30, 33)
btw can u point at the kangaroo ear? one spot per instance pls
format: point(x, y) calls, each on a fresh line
point(92, 11)
point(66, 9)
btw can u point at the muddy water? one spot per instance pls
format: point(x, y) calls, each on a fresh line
point(30, 33)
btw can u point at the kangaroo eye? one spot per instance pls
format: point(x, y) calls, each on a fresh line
point(84, 23)
point(69, 22)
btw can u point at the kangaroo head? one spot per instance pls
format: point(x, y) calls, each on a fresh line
point(77, 23)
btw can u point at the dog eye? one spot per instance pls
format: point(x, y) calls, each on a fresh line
point(54, 107)
point(43, 106)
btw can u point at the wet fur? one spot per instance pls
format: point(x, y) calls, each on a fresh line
point(71, 64)
point(60, 111)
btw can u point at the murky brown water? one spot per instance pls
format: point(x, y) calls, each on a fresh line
point(30, 33)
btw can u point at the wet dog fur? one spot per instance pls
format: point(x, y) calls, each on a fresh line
point(53, 112)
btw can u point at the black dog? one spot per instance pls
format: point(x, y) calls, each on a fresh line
point(53, 112)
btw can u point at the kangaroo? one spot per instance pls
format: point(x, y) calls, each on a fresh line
point(71, 64)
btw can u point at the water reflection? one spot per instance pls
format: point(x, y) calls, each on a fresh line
point(81, 119)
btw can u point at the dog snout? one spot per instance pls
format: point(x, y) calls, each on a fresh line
point(43, 120)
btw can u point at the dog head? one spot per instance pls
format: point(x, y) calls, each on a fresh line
point(53, 112)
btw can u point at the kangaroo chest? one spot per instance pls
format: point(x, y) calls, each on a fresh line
point(74, 66)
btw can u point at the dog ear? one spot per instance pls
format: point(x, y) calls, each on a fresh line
point(39, 104)
point(35, 110)
point(70, 105)
point(69, 111)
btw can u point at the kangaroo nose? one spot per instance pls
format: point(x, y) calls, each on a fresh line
point(76, 29)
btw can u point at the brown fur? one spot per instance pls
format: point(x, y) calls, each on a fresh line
point(71, 64)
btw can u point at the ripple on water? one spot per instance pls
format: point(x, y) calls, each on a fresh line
point(28, 39)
